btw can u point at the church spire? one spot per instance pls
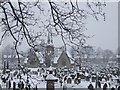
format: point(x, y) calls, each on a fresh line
point(50, 40)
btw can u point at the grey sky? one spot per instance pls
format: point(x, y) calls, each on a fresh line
point(106, 32)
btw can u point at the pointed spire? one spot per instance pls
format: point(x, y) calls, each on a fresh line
point(50, 40)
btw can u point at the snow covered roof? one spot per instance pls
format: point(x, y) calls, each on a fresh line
point(51, 77)
point(69, 55)
point(86, 74)
point(33, 69)
point(56, 58)
point(59, 54)
point(72, 60)
point(40, 57)
point(50, 68)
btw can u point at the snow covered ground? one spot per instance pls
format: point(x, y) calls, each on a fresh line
point(39, 81)
point(35, 80)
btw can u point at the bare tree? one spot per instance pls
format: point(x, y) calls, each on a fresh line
point(99, 53)
point(19, 20)
point(107, 54)
point(9, 50)
point(88, 51)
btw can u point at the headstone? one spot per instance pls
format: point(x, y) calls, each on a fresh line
point(82, 76)
point(55, 71)
point(99, 84)
point(65, 78)
point(119, 88)
point(90, 87)
point(78, 75)
point(72, 76)
point(0, 87)
point(28, 86)
point(14, 86)
point(19, 85)
point(112, 88)
point(60, 80)
point(77, 81)
point(93, 79)
point(22, 85)
point(105, 86)
point(3, 79)
point(87, 78)
point(100, 78)
point(69, 80)
point(36, 88)
point(9, 84)
point(64, 87)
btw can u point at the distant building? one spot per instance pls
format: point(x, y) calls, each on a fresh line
point(12, 60)
point(64, 60)
point(32, 59)
point(52, 56)
point(49, 54)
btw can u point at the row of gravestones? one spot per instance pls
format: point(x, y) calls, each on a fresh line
point(78, 76)
point(18, 86)
point(105, 87)
point(91, 87)
point(21, 86)
point(78, 79)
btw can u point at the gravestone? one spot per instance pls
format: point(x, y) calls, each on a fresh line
point(90, 87)
point(78, 75)
point(105, 86)
point(82, 76)
point(93, 79)
point(14, 86)
point(119, 88)
point(69, 80)
point(87, 78)
point(77, 80)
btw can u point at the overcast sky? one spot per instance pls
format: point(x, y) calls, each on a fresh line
point(105, 32)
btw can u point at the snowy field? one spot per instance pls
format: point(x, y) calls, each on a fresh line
point(37, 80)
